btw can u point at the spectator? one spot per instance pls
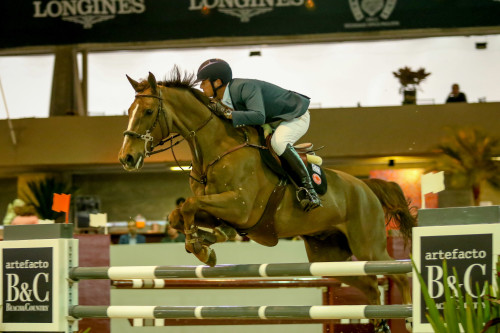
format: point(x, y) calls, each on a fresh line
point(18, 212)
point(456, 96)
point(132, 237)
point(173, 235)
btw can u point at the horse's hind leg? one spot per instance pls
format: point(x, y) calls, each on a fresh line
point(336, 248)
point(368, 240)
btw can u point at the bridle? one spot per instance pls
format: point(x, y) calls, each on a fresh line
point(161, 119)
point(164, 125)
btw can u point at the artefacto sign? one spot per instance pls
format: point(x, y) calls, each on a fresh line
point(470, 255)
point(472, 250)
point(27, 285)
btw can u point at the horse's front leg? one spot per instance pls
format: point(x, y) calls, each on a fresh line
point(229, 206)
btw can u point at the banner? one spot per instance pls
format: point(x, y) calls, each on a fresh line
point(35, 293)
point(60, 22)
point(27, 285)
point(472, 250)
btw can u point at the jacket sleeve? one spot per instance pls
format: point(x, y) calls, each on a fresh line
point(255, 113)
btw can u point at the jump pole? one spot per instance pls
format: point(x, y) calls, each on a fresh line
point(244, 312)
point(40, 265)
point(247, 270)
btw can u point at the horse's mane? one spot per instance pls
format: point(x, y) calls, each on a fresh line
point(178, 79)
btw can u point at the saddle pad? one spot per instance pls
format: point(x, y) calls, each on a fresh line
point(318, 178)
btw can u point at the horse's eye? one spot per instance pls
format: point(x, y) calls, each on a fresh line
point(149, 112)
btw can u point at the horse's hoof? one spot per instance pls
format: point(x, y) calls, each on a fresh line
point(212, 258)
point(409, 324)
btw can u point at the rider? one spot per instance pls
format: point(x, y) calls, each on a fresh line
point(253, 102)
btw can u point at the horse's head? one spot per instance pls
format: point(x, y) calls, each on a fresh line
point(147, 125)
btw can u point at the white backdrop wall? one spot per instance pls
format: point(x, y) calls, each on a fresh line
point(332, 74)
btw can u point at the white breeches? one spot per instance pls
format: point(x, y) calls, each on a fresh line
point(289, 132)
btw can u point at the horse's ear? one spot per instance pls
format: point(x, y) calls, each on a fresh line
point(152, 82)
point(134, 83)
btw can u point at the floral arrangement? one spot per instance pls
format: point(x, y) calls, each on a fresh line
point(409, 78)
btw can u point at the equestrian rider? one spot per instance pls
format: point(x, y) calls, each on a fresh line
point(253, 102)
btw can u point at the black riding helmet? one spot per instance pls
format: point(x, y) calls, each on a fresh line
point(214, 69)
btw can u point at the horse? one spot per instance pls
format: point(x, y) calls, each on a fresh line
point(231, 186)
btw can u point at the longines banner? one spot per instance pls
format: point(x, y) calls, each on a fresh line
point(471, 249)
point(59, 22)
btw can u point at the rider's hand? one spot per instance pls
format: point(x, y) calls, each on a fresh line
point(220, 109)
point(267, 130)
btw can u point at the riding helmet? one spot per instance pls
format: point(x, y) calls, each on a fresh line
point(214, 69)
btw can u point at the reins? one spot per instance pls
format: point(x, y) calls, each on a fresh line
point(203, 178)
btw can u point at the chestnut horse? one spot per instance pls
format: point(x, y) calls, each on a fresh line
point(231, 186)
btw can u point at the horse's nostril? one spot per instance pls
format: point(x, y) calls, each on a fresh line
point(129, 159)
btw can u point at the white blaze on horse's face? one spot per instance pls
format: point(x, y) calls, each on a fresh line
point(132, 117)
point(132, 152)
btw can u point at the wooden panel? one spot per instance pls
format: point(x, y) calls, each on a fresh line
point(94, 251)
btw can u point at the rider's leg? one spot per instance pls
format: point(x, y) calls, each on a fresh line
point(286, 134)
point(306, 194)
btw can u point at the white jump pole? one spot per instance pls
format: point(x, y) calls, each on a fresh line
point(353, 268)
point(244, 312)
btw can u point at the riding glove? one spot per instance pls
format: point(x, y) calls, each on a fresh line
point(220, 109)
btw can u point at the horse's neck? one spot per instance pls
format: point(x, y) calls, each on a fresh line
point(207, 138)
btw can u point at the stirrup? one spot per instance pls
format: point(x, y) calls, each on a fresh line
point(307, 202)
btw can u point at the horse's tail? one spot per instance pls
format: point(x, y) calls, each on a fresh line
point(396, 207)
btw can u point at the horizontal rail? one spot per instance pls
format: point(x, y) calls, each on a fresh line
point(307, 282)
point(358, 327)
point(244, 312)
point(350, 268)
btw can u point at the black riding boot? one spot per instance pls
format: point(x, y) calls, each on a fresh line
point(306, 194)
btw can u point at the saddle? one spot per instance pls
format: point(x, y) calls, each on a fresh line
point(307, 154)
point(264, 232)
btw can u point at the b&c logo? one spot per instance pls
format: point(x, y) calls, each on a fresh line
point(27, 285)
point(470, 255)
